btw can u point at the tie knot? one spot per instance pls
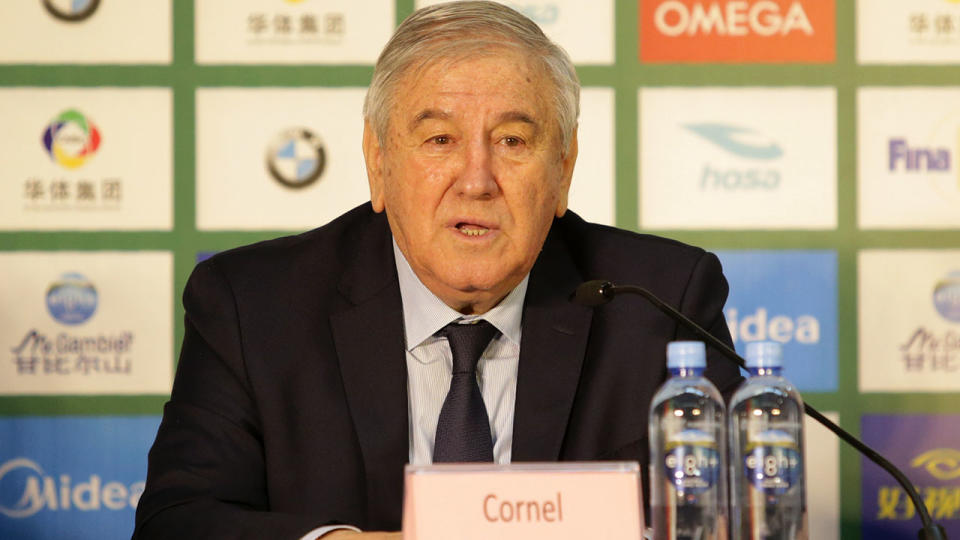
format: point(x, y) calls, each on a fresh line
point(467, 342)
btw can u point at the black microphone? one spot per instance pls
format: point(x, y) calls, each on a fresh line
point(598, 292)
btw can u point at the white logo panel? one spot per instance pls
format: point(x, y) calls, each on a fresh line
point(278, 158)
point(907, 151)
point(86, 158)
point(822, 459)
point(914, 32)
point(127, 32)
point(584, 29)
point(593, 190)
point(292, 32)
point(86, 323)
point(738, 158)
point(909, 321)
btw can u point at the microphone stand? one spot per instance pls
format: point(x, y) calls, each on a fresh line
point(598, 292)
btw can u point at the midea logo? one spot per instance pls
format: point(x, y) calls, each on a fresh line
point(743, 143)
point(38, 491)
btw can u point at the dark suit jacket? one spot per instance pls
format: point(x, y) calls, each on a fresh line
point(289, 407)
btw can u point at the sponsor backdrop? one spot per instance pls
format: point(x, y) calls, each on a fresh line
point(813, 144)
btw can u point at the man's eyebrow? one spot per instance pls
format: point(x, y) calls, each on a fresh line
point(517, 116)
point(428, 114)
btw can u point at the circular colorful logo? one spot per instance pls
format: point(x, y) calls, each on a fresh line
point(71, 10)
point(946, 297)
point(296, 158)
point(71, 139)
point(72, 299)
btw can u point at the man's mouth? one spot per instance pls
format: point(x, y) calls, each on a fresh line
point(470, 229)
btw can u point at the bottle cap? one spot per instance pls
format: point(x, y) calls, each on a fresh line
point(764, 354)
point(686, 354)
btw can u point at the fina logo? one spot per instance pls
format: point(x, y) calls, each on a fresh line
point(946, 297)
point(941, 463)
point(71, 10)
point(741, 142)
point(72, 300)
point(296, 158)
point(41, 491)
point(71, 139)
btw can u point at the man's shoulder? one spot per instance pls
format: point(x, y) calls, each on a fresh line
point(321, 253)
point(622, 253)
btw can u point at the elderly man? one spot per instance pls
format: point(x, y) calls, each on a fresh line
point(432, 324)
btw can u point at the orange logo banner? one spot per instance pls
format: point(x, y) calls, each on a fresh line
point(735, 31)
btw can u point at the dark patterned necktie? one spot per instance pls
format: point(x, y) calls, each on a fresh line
point(463, 430)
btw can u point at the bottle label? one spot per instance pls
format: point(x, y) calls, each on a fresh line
point(772, 462)
point(692, 461)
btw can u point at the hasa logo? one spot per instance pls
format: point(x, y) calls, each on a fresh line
point(34, 491)
point(743, 143)
point(737, 30)
point(941, 463)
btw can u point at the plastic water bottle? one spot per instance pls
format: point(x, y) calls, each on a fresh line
point(688, 450)
point(767, 489)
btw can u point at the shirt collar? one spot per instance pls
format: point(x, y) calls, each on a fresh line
point(424, 313)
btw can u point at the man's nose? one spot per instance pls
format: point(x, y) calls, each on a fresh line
point(477, 178)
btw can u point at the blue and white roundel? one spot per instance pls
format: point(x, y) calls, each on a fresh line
point(296, 158)
point(946, 297)
point(72, 300)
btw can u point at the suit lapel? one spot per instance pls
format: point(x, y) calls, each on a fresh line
point(370, 348)
point(552, 347)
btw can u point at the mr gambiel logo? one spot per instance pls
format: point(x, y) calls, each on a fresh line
point(83, 323)
point(909, 321)
point(927, 449)
point(71, 10)
point(71, 139)
point(296, 157)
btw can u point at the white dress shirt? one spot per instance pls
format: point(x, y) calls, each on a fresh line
point(430, 367)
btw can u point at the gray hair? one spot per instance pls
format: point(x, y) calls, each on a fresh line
point(455, 30)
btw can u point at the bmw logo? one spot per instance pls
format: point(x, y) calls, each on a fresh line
point(296, 158)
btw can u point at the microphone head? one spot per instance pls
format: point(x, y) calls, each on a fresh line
point(593, 293)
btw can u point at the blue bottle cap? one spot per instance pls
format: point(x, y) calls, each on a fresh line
point(764, 354)
point(686, 354)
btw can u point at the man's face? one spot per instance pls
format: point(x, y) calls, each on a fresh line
point(471, 173)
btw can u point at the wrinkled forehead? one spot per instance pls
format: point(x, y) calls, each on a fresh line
point(522, 73)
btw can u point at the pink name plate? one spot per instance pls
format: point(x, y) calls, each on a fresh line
point(523, 501)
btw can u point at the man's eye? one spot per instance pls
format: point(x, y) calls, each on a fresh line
point(512, 141)
point(440, 139)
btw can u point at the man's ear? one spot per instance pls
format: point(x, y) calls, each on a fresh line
point(373, 156)
point(568, 160)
